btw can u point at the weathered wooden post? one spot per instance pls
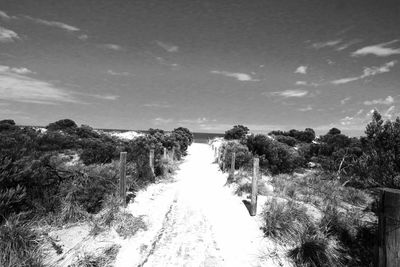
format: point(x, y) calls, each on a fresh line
point(232, 174)
point(215, 152)
point(389, 228)
point(253, 208)
point(223, 160)
point(165, 153)
point(151, 160)
point(122, 177)
point(173, 153)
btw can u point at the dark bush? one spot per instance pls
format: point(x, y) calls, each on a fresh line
point(290, 141)
point(98, 151)
point(66, 125)
point(243, 156)
point(237, 132)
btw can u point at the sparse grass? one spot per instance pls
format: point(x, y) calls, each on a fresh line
point(315, 249)
point(243, 188)
point(127, 225)
point(19, 245)
point(104, 258)
point(284, 220)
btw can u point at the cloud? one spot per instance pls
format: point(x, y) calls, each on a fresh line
point(168, 47)
point(55, 24)
point(5, 16)
point(306, 83)
point(7, 36)
point(308, 108)
point(326, 44)
point(367, 72)
point(15, 70)
point(380, 50)
point(344, 46)
point(83, 37)
point(291, 93)
point(344, 100)
point(20, 88)
point(239, 76)
point(387, 101)
point(106, 97)
point(157, 105)
point(111, 72)
point(114, 47)
point(201, 120)
point(301, 70)
point(160, 121)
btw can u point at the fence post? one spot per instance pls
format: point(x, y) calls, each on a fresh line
point(165, 153)
point(253, 210)
point(151, 160)
point(389, 231)
point(223, 160)
point(173, 153)
point(233, 164)
point(215, 152)
point(122, 177)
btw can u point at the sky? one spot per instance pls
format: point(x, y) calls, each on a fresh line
point(202, 64)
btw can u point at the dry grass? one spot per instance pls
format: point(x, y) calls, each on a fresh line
point(103, 258)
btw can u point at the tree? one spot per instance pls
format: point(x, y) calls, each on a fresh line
point(334, 131)
point(237, 132)
point(62, 125)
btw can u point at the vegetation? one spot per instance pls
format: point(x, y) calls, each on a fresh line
point(237, 132)
point(37, 177)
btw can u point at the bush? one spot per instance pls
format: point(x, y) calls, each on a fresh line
point(278, 157)
point(66, 125)
point(284, 220)
point(307, 136)
point(19, 245)
point(237, 132)
point(316, 249)
point(243, 156)
point(98, 151)
point(290, 141)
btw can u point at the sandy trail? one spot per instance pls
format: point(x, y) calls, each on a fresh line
point(194, 221)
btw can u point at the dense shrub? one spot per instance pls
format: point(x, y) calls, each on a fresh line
point(237, 132)
point(98, 151)
point(243, 156)
point(307, 136)
point(276, 156)
point(66, 125)
point(291, 141)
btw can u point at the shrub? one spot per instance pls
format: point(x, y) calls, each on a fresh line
point(104, 258)
point(307, 136)
point(283, 220)
point(237, 132)
point(98, 151)
point(316, 249)
point(19, 245)
point(243, 156)
point(66, 125)
point(290, 141)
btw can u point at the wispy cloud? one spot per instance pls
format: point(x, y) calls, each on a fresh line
point(168, 47)
point(106, 97)
point(114, 47)
point(157, 105)
point(201, 120)
point(345, 100)
point(7, 36)
point(291, 93)
point(344, 46)
point(308, 108)
point(380, 50)
point(15, 70)
point(307, 83)
point(20, 88)
point(301, 70)
point(244, 77)
point(114, 73)
point(161, 121)
point(387, 101)
point(5, 16)
point(326, 44)
point(55, 24)
point(83, 37)
point(367, 72)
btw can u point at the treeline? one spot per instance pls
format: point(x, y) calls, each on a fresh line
point(371, 160)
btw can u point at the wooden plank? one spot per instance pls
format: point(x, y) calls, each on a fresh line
point(122, 177)
point(389, 228)
point(253, 207)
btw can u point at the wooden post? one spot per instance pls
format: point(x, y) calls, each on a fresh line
point(215, 152)
point(165, 153)
point(173, 153)
point(223, 160)
point(389, 230)
point(151, 160)
point(233, 164)
point(254, 192)
point(122, 177)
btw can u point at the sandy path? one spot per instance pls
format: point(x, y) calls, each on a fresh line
point(194, 221)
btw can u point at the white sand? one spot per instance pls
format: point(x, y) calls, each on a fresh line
point(130, 135)
point(194, 221)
